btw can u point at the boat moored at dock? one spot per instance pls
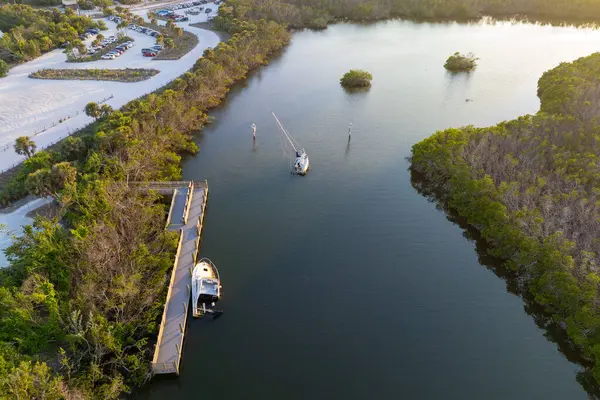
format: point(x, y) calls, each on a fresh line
point(206, 288)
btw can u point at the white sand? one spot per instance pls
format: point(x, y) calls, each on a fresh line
point(13, 222)
point(27, 106)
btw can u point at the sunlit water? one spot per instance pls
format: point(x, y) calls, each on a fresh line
point(346, 283)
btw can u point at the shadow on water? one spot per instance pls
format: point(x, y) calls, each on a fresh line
point(514, 285)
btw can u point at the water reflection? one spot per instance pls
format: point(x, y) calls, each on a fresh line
point(552, 331)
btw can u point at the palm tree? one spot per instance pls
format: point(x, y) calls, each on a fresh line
point(123, 25)
point(24, 146)
point(92, 110)
point(105, 110)
point(169, 43)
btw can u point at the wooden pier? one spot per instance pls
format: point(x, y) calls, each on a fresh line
point(186, 216)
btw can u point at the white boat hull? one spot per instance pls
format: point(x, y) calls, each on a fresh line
point(301, 165)
point(206, 287)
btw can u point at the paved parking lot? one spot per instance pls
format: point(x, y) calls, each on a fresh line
point(27, 106)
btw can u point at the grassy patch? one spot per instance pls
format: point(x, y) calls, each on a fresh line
point(118, 75)
point(96, 57)
point(182, 44)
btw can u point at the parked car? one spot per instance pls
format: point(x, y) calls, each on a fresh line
point(208, 10)
point(157, 47)
point(148, 50)
point(181, 19)
point(149, 54)
point(108, 57)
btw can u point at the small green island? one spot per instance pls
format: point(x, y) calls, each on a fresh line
point(356, 78)
point(458, 62)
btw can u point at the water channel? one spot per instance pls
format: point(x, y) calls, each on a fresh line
point(347, 283)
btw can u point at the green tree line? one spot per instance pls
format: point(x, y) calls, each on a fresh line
point(29, 32)
point(531, 186)
point(318, 13)
point(82, 297)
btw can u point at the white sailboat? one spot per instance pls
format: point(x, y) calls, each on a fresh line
point(301, 164)
point(206, 288)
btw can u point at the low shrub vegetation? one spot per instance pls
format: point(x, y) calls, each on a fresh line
point(356, 78)
point(461, 62)
point(119, 75)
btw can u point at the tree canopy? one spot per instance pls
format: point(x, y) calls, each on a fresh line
point(29, 32)
point(3, 68)
point(461, 62)
point(318, 13)
point(87, 290)
point(531, 187)
point(25, 146)
point(356, 78)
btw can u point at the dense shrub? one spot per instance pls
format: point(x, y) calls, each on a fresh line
point(30, 32)
point(356, 78)
point(460, 62)
point(3, 69)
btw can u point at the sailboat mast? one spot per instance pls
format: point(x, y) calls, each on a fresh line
point(284, 132)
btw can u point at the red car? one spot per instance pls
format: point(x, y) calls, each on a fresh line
point(149, 54)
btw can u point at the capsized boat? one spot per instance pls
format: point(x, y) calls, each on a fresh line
point(301, 164)
point(206, 288)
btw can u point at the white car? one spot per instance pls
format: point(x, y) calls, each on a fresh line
point(108, 57)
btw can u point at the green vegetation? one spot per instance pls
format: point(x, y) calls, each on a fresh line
point(91, 4)
point(318, 13)
point(24, 146)
point(94, 57)
point(96, 111)
point(3, 69)
point(356, 78)
point(119, 75)
point(177, 42)
point(43, 3)
point(82, 298)
point(30, 32)
point(531, 187)
point(460, 62)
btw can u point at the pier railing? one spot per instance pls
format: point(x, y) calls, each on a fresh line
point(164, 316)
point(186, 234)
point(188, 202)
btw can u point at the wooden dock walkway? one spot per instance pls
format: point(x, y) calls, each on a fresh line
point(185, 216)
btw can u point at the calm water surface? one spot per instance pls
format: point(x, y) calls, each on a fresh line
point(348, 284)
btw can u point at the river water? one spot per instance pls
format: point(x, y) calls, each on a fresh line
point(347, 283)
